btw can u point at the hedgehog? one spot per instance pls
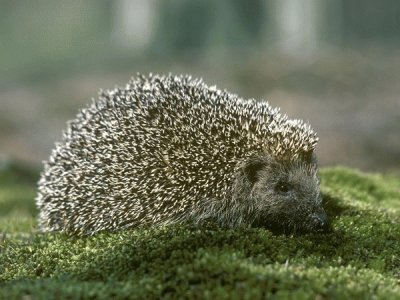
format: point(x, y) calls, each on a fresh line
point(171, 149)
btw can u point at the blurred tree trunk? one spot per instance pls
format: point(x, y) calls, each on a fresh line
point(296, 24)
point(134, 23)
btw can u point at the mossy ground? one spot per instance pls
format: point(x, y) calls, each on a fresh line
point(359, 259)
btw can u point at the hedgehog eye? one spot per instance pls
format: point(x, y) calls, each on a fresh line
point(283, 187)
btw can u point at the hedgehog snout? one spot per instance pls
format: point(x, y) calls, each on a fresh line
point(319, 221)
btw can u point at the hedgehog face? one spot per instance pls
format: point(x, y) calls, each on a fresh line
point(286, 195)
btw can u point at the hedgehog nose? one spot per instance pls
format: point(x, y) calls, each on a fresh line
point(320, 221)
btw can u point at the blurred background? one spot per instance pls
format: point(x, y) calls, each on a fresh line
point(333, 63)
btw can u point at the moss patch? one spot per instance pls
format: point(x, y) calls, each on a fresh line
point(358, 259)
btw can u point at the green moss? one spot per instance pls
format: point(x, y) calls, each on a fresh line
point(358, 259)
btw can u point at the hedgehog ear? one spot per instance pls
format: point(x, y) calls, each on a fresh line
point(310, 157)
point(251, 170)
